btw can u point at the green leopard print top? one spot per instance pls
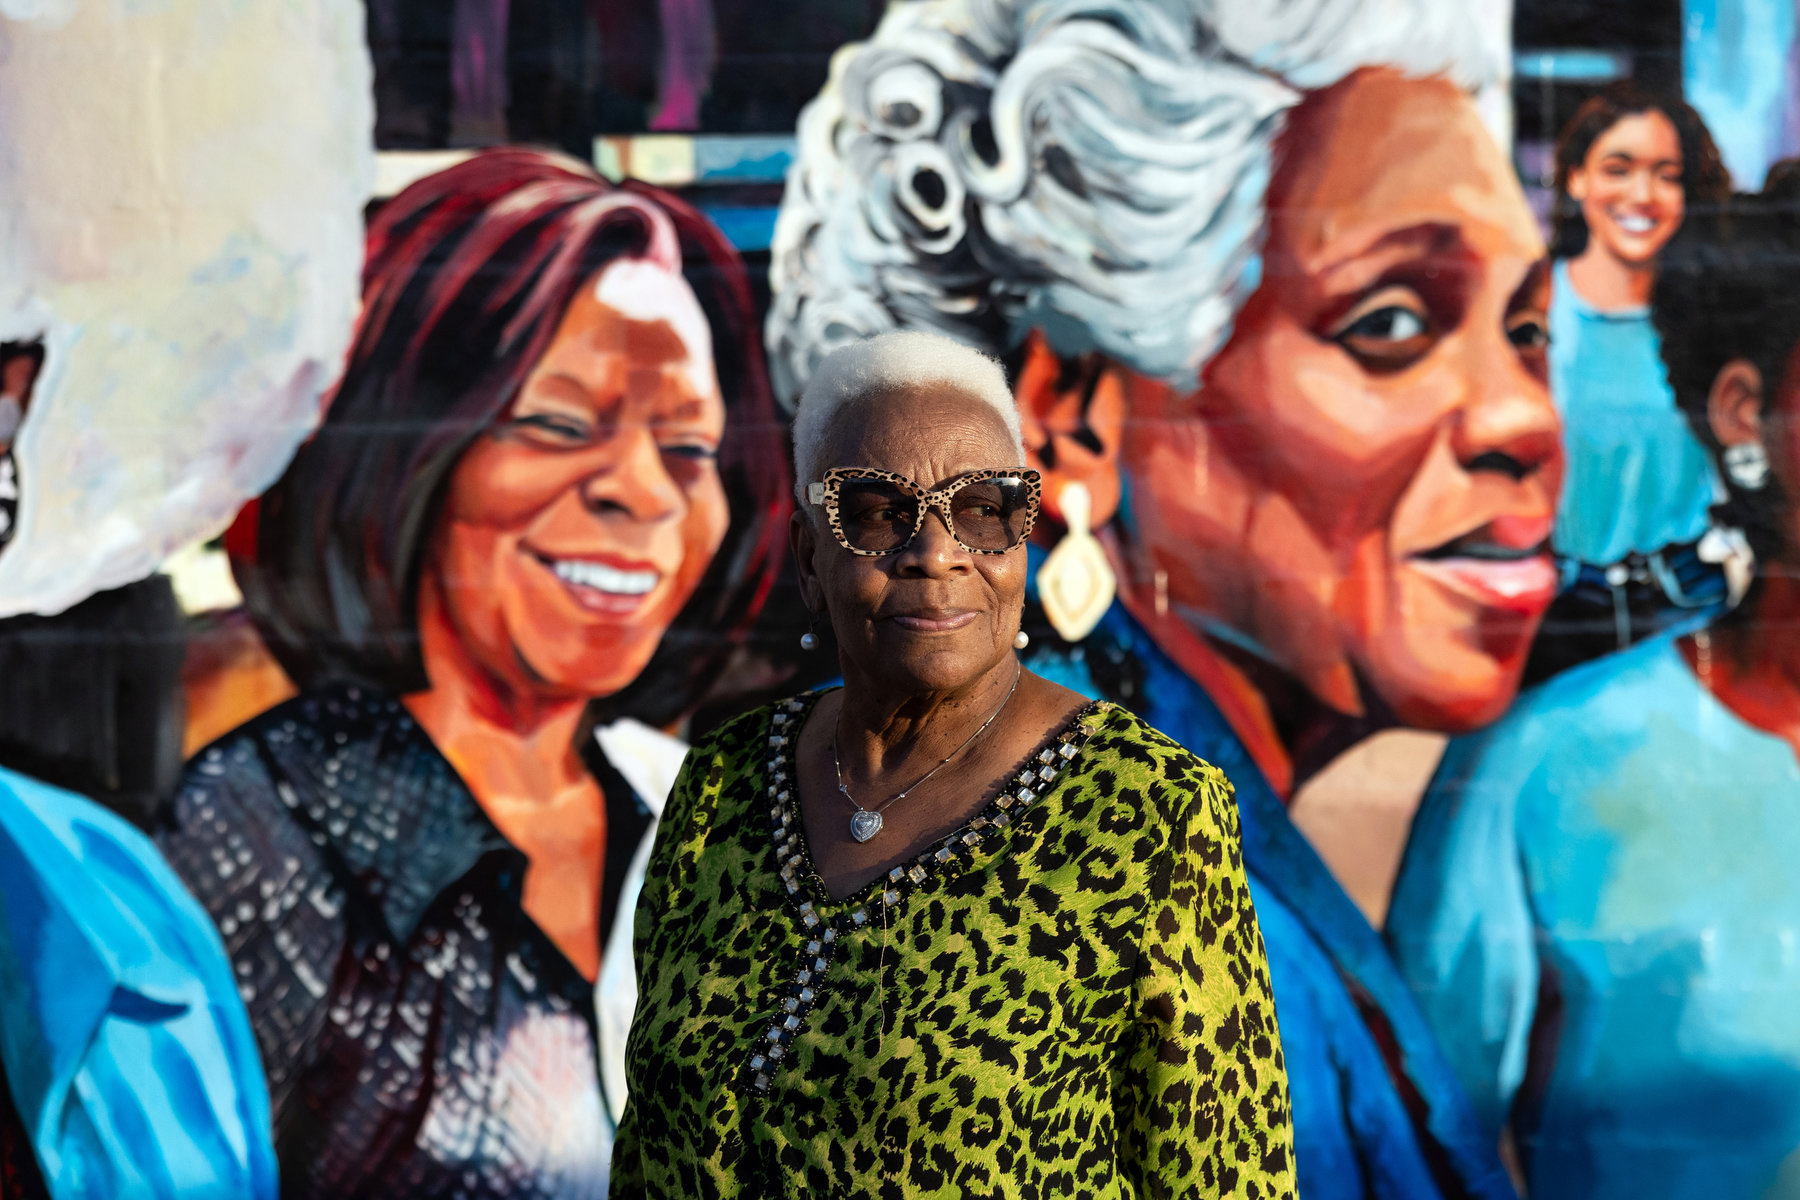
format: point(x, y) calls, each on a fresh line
point(1067, 996)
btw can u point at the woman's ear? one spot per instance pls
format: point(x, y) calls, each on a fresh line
point(1577, 184)
point(1734, 404)
point(802, 539)
point(1073, 414)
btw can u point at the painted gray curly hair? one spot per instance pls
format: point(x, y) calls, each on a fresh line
point(1094, 169)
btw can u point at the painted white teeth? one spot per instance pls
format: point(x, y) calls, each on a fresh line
point(1636, 224)
point(603, 578)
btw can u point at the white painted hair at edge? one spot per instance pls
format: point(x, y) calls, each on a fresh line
point(1096, 171)
point(186, 241)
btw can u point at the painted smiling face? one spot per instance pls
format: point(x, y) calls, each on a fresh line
point(1629, 187)
point(1364, 483)
point(575, 531)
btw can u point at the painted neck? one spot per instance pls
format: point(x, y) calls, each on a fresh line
point(1608, 282)
point(503, 737)
point(1288, 731)
point(1753, 660)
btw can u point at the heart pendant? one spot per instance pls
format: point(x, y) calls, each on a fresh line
point(865, 825)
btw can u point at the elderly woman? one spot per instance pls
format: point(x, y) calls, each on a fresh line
point(949, 929)
point(1277, 306)
point(515, 526)
point(1599, 902)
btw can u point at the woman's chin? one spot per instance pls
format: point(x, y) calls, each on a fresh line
point(570, 669)
point(930, 671)
point(1453, 691)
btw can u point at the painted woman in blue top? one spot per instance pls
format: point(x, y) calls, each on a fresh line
point(1599, 903)
point(1274, 298)
point(1632, 172)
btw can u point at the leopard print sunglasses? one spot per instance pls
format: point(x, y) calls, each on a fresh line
point(874, 513)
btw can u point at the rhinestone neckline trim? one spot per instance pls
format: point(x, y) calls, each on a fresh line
point(821, 936)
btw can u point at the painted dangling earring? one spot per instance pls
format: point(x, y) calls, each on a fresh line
point(1748, 465)
point(1021, 640)
point(1076, 582)
point(810, 640)
point(9, 496)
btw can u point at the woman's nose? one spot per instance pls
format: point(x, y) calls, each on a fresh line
point(933, 550)
point(633, 478)
point(1508, 423)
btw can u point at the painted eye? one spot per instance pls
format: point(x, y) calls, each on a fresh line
point(1529, 335)
point(552, 427)
point(1390, 324)
point(1387, 337)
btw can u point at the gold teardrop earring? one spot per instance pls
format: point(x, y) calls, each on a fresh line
point(1076, 583)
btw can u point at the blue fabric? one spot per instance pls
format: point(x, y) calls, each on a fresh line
point(1738, 59)
point(1637, 478)
point(1353, 1136)
point(1604, 883)
point(126, 1047)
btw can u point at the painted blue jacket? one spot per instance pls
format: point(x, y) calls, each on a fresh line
point(1364, 1073)
point(127, 1051)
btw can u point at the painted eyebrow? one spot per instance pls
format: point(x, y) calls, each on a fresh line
point(565, 382)
point(1626, 156)
point(1430, 238)
point(687, 410)
point(1528, 287)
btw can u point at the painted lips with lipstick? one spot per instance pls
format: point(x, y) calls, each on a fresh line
point(1505, 564)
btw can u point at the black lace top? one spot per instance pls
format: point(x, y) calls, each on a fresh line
point(423, 1037)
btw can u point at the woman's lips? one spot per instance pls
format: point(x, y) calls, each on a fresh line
point(933, 620)
point(1522, 585)
point(1505, 564)
point(603, 584)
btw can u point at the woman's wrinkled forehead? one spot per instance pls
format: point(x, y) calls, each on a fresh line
point(929, 433)
point(1382, 153)
point(648, 293)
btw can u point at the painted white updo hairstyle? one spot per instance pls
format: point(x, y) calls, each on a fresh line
point(1095, 169)
point(182, 186)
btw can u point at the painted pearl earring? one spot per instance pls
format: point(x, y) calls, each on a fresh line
point(809, 640)
point(1021, 640)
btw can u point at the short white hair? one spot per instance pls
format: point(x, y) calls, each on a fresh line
point(885, 364)
point(191, 265)
point(1094, 169)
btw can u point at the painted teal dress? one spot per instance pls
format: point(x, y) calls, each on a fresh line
point(1637, 478)
point(1599, 912)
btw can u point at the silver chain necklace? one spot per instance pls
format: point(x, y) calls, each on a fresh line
point(866, 822)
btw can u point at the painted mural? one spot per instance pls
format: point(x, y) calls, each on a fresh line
point(395, 477)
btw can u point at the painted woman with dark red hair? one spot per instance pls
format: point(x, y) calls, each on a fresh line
point(546, 499)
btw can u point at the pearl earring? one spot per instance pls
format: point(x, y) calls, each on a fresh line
point(809, 640)
point(1021, 640)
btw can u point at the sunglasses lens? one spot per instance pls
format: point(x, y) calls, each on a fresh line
point(992, 513)
point(876, 515)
